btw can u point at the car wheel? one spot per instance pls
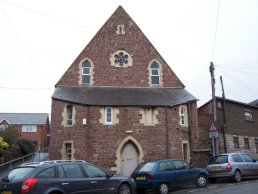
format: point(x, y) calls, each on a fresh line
point(201, 180)
point(124, 189)
point(163, 188)
point(212, 180)
point(237, 176)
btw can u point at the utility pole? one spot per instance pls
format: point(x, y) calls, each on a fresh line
point(214, 109)
point(224, 116)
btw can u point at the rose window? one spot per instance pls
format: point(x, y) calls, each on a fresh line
point(121, 59)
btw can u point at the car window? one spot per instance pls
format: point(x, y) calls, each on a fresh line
point(61, 173)
point(218, 159)
point(145, 167)
point(93, 171)
point(179, 164)
point(247, 158)
point(72, 171)
point(47, 173)
point(165, 166)
point(237, 158)
point(20, 173)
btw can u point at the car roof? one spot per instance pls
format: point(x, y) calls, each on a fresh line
point(50, 163)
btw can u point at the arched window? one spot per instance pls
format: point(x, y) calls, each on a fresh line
point(155, 74)
point(86, 72)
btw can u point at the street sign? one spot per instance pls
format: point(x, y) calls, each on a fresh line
point(213, 132)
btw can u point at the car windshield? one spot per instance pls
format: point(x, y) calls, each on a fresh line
point(20, 173)
point(218, 159)
point(145, 167)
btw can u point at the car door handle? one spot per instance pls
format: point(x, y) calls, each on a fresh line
point(93, 182)
point(65, 183)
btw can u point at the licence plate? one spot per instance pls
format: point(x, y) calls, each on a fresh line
point(140, 178)
point(6, 192)
point(216, 167)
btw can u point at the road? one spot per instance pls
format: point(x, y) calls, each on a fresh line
point(228, 187)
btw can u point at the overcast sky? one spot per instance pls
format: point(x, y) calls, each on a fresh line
point(40, 39)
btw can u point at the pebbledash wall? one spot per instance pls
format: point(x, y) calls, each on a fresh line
point(148, 128)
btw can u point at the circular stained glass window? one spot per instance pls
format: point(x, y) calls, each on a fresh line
point(121, 59)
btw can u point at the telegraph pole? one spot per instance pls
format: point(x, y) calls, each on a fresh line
point(224, 116)
point(214, 109)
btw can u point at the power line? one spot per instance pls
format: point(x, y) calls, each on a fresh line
point(48, 15)
point(23, 46)
point(215, 34)
point(236, 70)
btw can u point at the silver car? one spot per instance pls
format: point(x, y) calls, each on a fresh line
point(232, 165)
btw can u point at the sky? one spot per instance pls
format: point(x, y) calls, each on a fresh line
point(39, 40)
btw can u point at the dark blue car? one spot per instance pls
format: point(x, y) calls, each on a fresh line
point(161, 175)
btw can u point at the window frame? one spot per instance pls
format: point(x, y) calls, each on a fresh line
point(246, 143)
point(29, 128)
point(236, 142)
point(249, 115)
point(183, 116)
point(154, 76)
point(69, 115)
point(86, 62)
point(111, 115)
point(68, 151)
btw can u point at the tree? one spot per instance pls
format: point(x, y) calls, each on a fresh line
point(3, 144)
point(10, 135)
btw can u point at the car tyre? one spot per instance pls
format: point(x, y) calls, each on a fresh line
point(163, 188)
point(201, 180)
point(237, 176)
point(124, 189)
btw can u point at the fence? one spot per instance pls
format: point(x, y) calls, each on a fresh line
point(38, 156)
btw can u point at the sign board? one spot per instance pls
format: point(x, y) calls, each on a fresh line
point(213, 132)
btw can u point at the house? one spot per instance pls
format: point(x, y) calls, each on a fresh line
point(120, 103)
point(236, 123)
point(254, 103)
point(31, 126)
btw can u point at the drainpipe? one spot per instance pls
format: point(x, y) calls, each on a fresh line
point(189, 110)
point(167, 138)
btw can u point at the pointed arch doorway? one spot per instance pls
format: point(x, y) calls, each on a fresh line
point(129, 155)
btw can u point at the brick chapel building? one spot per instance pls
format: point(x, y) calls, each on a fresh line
point(120, 103)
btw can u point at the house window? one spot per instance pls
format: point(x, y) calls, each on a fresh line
point(155, 74)
point(256, 144)
point(246, 143)
point(86, 72)
point(3, 127)
point(121, 59)
point(120, 30)
point(183, 116)
point(68, 151)
point(69, 112)
point(248, 115)
point(29, 128)
point(108, 115)
point(236, 142)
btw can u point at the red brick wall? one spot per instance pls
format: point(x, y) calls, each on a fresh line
point(98, 143)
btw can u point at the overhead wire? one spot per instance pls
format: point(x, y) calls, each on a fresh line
point(23, 46)
point(215, 33)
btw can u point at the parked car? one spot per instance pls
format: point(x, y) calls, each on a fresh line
point(232, 165)
point(162, 175)
point(63, 177)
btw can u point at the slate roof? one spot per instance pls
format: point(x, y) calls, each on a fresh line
point(254, 103)
point(24, 118)
point(120, 96)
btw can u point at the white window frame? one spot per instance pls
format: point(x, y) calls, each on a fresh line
point(158, 75)
point(69, 116)
point(107, 111)
point(86, 74)
point(29, 128)
point(183, 116)
point(68, 151)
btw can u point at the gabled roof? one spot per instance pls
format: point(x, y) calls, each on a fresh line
point(230, 101)
point(24, 118)
point(123, 96)
point(254, 103)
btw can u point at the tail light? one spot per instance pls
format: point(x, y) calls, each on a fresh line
point(151, 177)
point(229, 166)
point(28, 184)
